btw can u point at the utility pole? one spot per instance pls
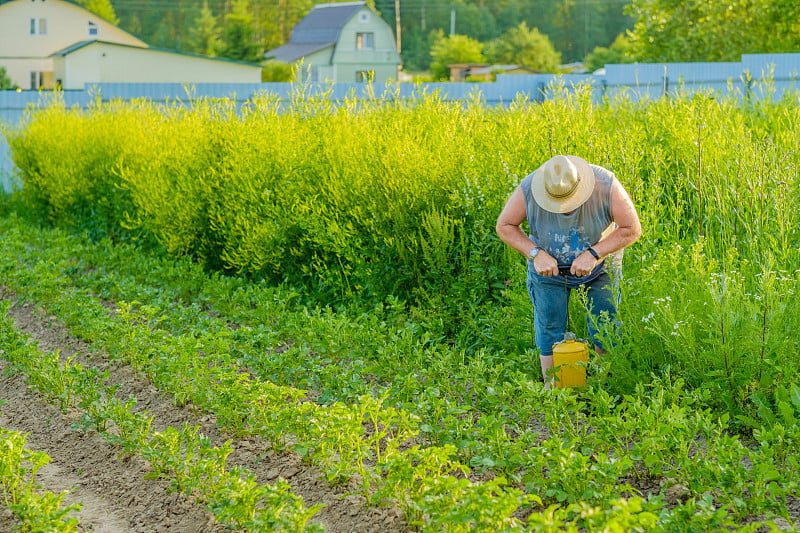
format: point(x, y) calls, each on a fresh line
point(397, 23)
point(397, 26)
point(453, 20)
point(585, 28)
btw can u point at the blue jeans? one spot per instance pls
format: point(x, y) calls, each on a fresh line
point(550, 297)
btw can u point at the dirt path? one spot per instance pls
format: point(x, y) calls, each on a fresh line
point(113, 492)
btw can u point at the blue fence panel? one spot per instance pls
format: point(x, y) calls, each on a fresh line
point(9, 118)
point(774, 74)
point(654, 80)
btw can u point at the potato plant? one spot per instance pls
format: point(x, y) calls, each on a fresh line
point(599, 441)
point(36, 509)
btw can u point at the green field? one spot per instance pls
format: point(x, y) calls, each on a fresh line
point(328, 277)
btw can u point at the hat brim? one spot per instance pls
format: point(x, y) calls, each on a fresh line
point(576, 199)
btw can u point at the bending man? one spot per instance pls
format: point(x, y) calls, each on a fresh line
point(580, 219)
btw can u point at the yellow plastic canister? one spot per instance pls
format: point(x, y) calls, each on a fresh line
point(570, 359)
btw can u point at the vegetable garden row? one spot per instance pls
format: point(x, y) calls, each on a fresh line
point(327, 278)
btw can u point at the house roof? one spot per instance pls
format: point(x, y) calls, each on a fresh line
point(319, 29)
point(76, 4)
point(324, 22)
point(83, 44)
point(291, 52)
point(497, 68)
point(73, 2)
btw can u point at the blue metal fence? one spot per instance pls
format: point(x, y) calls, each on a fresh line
point(756, 75)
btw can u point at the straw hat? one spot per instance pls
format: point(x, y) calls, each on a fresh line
point(562, 184)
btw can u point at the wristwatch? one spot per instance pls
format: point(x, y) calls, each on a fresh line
point(533, 252)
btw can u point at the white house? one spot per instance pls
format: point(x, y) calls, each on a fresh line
point(57, 43)
point(31, 30)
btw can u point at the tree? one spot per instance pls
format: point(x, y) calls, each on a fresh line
point(524, 47)
point(574, 27)
point(101, 8)
point(416, 52)
point(205, 36)
point(238, 34)
point(783, 17)
point(277, 71)
point(165, 34)
point(698, 30)
point(278, 18)
point(620, 51)
point(5, 82)
point(453, 49)
point(475, 21)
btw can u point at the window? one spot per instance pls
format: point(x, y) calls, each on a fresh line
point(37, 79)
point(41, 79)
point(363, 16)
point(364, 76)
point(92, 29)
point(365, 41)
point(38, 26)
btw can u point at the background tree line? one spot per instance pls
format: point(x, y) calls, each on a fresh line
point(538, 34)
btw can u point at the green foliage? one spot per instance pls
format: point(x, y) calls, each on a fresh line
point(524, 47)
point(361, 202)
point(237, 34)
point(447, 50)
point(89, 197)
point(412, 418)
point(36, 510)
point(103, 8)
point(185, 457)
point(573, 33)
point(5, 82)
point(695, 30)
point(206, 38)
point(620, 51)
point(276, 71)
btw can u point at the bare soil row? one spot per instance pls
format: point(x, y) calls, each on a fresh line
point(113, 492)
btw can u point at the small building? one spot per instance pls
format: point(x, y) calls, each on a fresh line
point(87, 62)
point(344, 42)
point(483, 71)
point(31, 31)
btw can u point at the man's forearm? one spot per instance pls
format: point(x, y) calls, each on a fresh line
point(515, 237)
point(620, 238)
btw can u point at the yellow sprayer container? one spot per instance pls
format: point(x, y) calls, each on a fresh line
point(570, 359)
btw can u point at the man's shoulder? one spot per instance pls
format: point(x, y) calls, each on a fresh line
point(602, 172)
point(526, 183)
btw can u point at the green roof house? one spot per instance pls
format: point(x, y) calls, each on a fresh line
point(345, 42)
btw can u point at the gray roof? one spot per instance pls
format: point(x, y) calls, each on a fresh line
point(73, 47)
point(291, 52)
point(324, 22)
point(317, 30)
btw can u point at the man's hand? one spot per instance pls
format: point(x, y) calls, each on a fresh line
point(583, 264)
point(545, 264)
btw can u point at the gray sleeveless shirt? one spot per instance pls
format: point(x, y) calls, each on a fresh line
point(566, 236)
